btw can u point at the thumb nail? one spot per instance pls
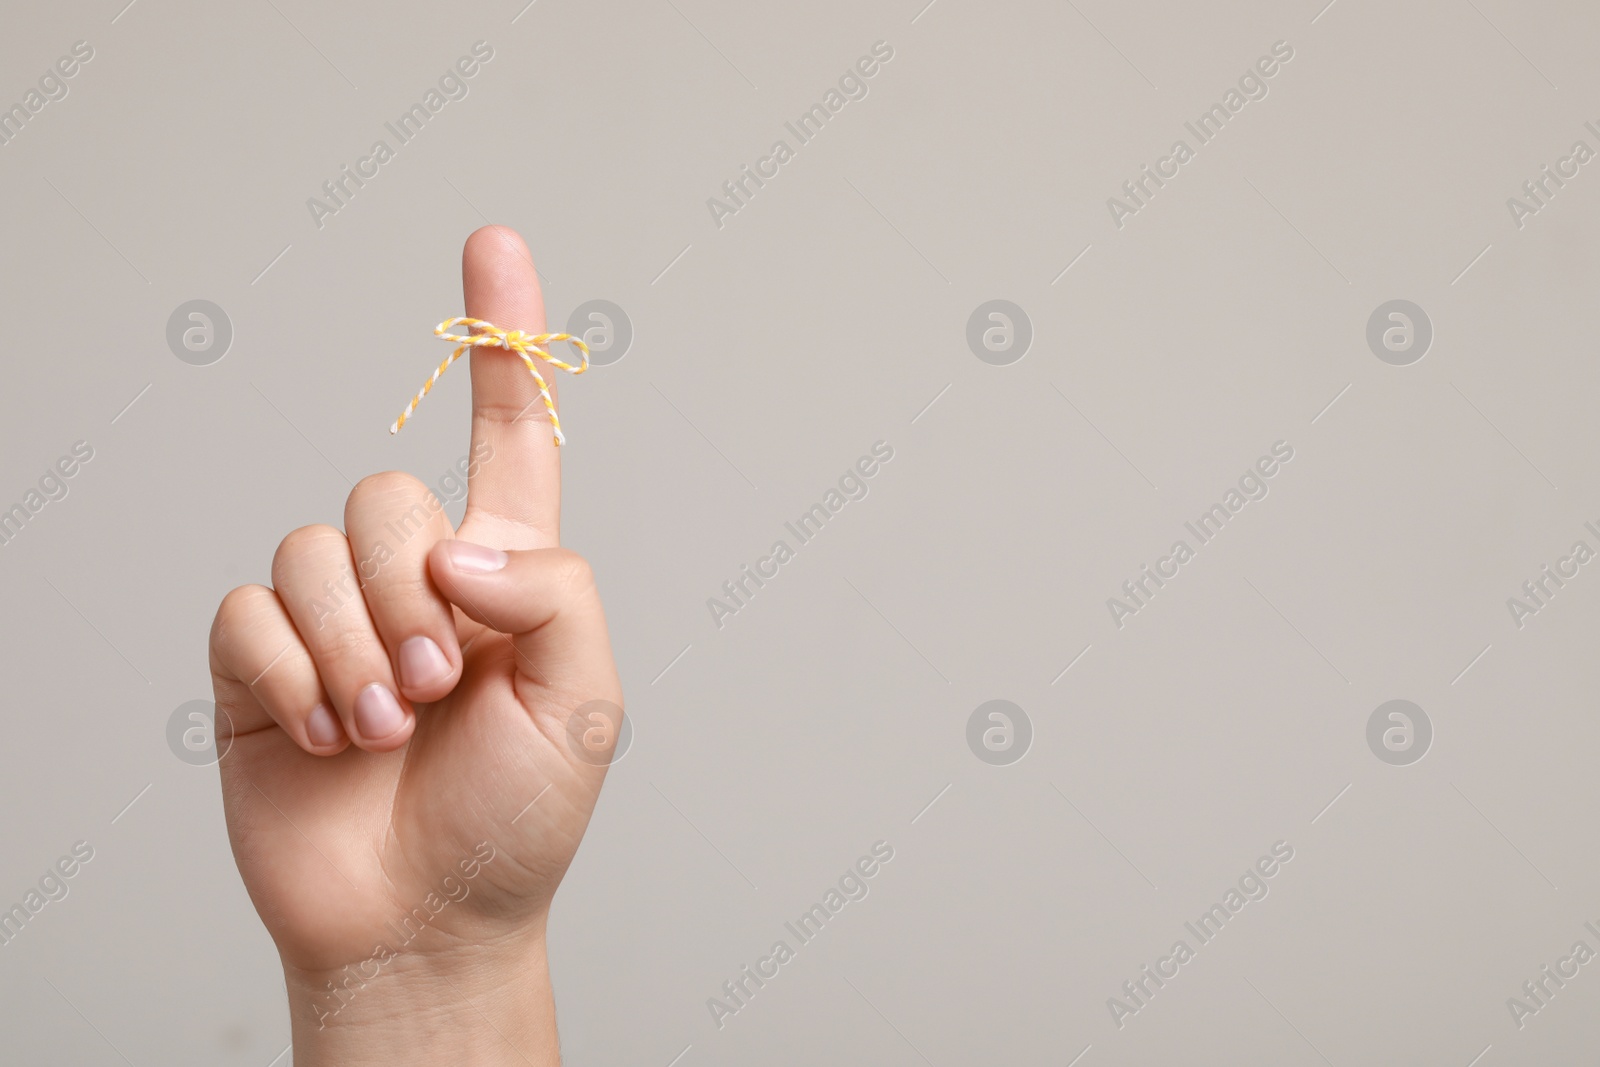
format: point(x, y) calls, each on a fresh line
point(469, 558)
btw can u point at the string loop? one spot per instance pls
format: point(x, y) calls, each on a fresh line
point(525, 345)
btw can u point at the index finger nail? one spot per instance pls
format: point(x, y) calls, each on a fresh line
point(422, 664)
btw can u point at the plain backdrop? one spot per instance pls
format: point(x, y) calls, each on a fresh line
point(772, 348)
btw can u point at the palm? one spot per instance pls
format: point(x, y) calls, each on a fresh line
point(387, 827)
point(337, 850)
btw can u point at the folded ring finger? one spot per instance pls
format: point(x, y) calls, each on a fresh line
point(315, 577)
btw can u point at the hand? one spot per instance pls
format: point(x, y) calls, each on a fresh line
point(406, 783)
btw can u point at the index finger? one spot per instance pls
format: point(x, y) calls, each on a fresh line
point(514, 484)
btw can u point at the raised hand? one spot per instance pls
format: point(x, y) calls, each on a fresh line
point(420, 722)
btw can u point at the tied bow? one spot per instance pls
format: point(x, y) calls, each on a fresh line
point(526, 345)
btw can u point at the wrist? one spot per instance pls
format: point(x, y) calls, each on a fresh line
point(476, 1006)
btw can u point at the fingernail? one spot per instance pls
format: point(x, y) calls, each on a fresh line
point(323, 727)
point(422, 664)
point(378, 713)
point(474, 559)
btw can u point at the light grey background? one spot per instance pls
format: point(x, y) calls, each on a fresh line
point(769, 355)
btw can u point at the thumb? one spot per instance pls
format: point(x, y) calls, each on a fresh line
point(546, 600)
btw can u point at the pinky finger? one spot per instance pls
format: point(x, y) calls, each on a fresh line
point(254, 646)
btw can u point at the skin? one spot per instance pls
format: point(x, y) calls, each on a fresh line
point(342, 824)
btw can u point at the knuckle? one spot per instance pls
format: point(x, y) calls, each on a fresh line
point(241, 603)
point(350, 644)
point(402, 504)
point(239, 608)
point(573, 575)
point(514, 414)
point(384, 486)
point(400, 588)
point(307, 539)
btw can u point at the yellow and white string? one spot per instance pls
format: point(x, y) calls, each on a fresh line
point(526, 345)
